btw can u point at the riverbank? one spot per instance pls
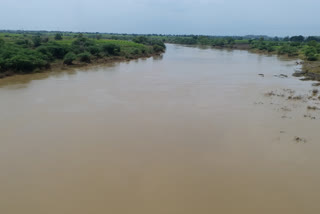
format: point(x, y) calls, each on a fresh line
point(29, 53)
point(310, 70)
point(60, 66)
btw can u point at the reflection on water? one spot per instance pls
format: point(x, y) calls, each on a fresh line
point(188, 132)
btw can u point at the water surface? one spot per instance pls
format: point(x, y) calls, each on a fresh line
point(189, 132)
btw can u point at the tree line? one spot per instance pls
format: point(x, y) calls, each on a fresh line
point(26, 53)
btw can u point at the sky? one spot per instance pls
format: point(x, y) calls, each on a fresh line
point(205, 17)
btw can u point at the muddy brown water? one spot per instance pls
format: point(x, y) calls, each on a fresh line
point(189, 132)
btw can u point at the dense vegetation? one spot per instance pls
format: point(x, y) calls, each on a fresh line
point(28, 51)
point(306, 48)
point(32, 52)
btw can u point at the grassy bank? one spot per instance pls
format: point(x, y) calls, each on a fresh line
point(22, 53)
point(32, 51)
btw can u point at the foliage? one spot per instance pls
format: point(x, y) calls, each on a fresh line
point(289, 50)
point(297, 39)
point(1, 42)
point(25, 52)
point(85, 57)
point(20, 60)
point(158, 48)
point(53, 50)
point(69, 58)
point(111, 49)
point(58, 36)
point(36, 41)
point(98, 36)
point(311, 54)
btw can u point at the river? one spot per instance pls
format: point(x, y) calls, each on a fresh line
point(197, 130)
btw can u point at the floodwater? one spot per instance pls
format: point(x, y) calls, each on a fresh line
point(190, 132)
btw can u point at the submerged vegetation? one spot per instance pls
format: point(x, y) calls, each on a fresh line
point(29, 52)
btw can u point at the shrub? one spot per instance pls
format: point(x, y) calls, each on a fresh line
point(286, 49)
point(158, 48)
point(111, 49)
point(311, 54)
point(58, 36)
point(85, 57)
point(69, 58)
point(53, 50)
point(81, 44)
point(25, 61)
point(94, 50)
point(36, 41)
point(1, 42)
point(45, 39)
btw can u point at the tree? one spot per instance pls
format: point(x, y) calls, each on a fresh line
point(297, 39)
point(1, 42)
point(36, 41)
point(311, 54)
point(140, 39)
point(111, 49)
point(45, 39)
point(313, 38)
point(158, 48)
point(69, 58)
point(98, 37)
point(286, 39)
point(312, 43)
point(58, 36)
point(85, 57)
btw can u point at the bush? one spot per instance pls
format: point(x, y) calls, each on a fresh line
point(140, 39)
point(286, 49)
point(85, 57)
point(36, 41)
point(24, 61)
point(94, 50)
point(69, 58)
point(158, 48)
point(111, 49)
point(1, 42)
point(81, 44)
point(53, 50)
point(58, 36)
point(311, 54)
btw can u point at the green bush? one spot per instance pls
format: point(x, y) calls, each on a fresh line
point(94, 50)
point(58, 36)
point(24, 61)
point(81, 44)
point(1, 42)
point(289, 50)
point(157, 48)
point(85, 57)
point(69, 58)
point(311, 53)
point(36, 41)
point(111, 49)
point(53, 50)
point(25, 53)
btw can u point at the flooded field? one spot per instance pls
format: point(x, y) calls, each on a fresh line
point(197, 130)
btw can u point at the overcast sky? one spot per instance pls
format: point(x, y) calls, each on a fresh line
point(210, 17)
